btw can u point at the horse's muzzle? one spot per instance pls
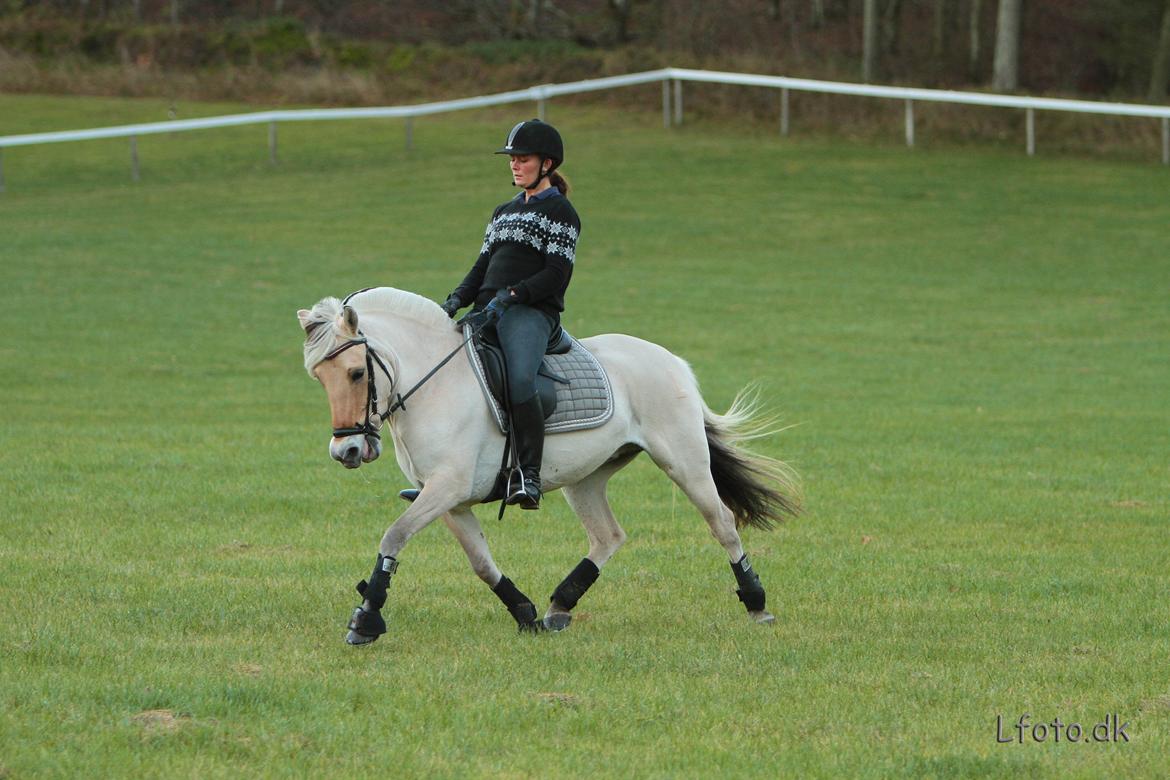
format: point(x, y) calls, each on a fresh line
point(353, 451)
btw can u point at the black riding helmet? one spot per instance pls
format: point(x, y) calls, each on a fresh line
point(539, 138)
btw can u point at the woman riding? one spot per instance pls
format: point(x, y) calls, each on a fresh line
point(518, 283)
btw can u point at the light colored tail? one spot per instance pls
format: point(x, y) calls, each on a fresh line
point(760, 491)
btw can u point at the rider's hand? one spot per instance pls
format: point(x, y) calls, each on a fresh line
point(498, 305)
point(451, 305)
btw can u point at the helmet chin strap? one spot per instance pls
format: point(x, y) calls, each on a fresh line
point(540, 176)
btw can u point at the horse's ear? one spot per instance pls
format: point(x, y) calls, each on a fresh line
point(350, 318)
point(306, 318)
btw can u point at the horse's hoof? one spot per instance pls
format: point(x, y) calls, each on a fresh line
point(535, 627)
point(365, 626)
point(557, 621)
point(354, 638)
point(762, 616)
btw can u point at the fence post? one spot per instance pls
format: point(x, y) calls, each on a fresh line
point(1031, 124)
point(666, 104)
point(910, 123)
point(272, 143)
point(134, 157)
point(678, 101)
point(409, 133)
point(1165, 145)
point(1, 170)
point(784, 111)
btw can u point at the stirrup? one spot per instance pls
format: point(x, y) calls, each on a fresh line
point(525, 495)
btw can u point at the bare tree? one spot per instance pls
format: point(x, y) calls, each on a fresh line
point(1006, 75)
point(489, 16)
point(701, 33)
point(939, 39)
point(620, 11)
point(817, 18)
point(790, 20)
point(1160, 76)
point(891, 26)
point(869, 37)
point(535, 17)
point(975, 39)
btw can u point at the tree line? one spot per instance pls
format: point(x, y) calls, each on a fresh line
point(1104, 46)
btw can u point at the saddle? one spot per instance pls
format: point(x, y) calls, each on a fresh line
point(574, 389)
point(491, 357)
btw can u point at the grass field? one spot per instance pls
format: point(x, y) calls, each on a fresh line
point(974, 348)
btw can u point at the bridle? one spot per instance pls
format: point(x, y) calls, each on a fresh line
point(368, 427)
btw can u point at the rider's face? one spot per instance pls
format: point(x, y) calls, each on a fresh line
point(525, 168)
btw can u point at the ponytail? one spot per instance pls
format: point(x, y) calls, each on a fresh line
point(560, 182)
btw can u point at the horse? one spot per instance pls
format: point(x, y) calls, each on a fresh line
point(381, 341)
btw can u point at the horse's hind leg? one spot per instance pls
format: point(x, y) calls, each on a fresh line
point(465, 526)
point(686, 459)
point(587, 498)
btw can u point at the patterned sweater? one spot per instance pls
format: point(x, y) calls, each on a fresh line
point(528, 247)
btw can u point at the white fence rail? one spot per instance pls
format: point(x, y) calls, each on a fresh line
point(671, 108)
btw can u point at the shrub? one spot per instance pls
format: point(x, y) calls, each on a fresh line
point(399, 59)
point(283, 42)
point(353, 54)
point(505, 52)
point(233, 45)
point(100, 43)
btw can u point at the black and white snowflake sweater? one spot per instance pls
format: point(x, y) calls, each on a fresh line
point(528, 247)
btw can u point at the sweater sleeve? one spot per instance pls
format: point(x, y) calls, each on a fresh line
point(560, 252)
point(468, 289)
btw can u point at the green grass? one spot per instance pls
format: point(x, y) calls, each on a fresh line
point(975, 347)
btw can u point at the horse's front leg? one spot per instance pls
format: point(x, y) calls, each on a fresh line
point(465, 526)
point(366, 624)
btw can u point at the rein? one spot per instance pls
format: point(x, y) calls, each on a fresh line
point(367, 427)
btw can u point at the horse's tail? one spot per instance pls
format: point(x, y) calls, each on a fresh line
point(758, 490)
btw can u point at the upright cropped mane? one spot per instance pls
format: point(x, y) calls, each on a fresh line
point(403, 303)
point(322, 334)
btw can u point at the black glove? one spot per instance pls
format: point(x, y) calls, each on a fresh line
point(451, 305)
point(498, 305)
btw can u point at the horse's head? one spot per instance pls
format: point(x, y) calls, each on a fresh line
point(338, 356)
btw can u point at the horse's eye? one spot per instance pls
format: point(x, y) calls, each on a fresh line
point(357, 374)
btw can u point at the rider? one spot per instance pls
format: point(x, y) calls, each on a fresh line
point(519, 281)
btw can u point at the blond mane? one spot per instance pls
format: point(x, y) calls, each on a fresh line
point(322, 326)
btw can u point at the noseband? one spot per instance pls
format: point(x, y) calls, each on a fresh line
point(367, 427)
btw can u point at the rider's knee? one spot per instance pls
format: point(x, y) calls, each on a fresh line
point(521, 392)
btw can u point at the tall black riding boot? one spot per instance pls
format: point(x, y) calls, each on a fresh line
point(528, 427)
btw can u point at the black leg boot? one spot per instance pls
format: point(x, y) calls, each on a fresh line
point(528, 425)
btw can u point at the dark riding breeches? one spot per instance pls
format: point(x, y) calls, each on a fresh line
point(523, 333)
